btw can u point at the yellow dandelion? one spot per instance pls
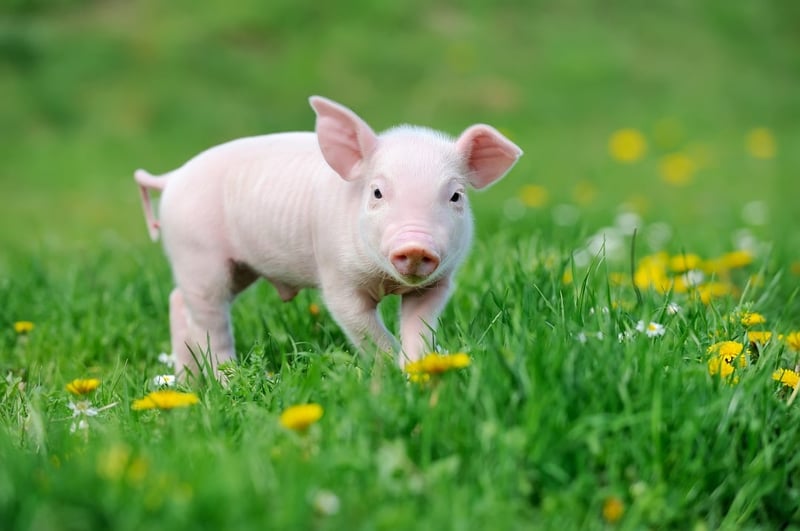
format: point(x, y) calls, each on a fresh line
point(534, 196)
point(83, 386)
point(760, 143)
point(786, 377)
point(627, 145)
point(677, 169)
point(165, 399)
point(793, 340)
point(713, 290)
point(299, 418)
point(725, 356)
point(613, 509)
point(728, 261)
point(313, 309)
point(652, 273)
point(684, 262)
point(438, 363)
point(23, 327)
point(753, 318)
point(567, 277)
point(759, 336)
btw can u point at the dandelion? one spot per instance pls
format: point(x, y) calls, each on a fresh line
point(725, 353)
point(83, 386)
point(613, 509)
point(786, 377)
point(685, 262)
point(760, 143)
point(712, 290)
point(627, 145)
point(534, 196)
point(438, 363)
point(652, 329)
point(23, 327)
point(299, 418)
point(752, 318)
point(313, 309)
point(728, 261)
point(164, 380)
point(793, 340)
point(757, 336)
point(677, 169)
point(165, 399)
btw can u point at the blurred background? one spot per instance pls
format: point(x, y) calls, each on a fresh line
point(684, 113)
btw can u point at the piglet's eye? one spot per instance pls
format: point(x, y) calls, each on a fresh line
point(456, 197)
point(377, 193)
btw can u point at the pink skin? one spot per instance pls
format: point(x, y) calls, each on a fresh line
point(355, 214)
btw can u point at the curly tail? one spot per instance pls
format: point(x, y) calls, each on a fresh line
point(146, 183)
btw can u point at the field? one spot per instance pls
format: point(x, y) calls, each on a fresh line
point(629, 310)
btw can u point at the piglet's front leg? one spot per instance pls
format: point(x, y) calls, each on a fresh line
point(419, 313)
point(357, 314)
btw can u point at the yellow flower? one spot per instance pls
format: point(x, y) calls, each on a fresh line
point(684, 262)
point(299, 418)
point(627, 145)
point(786, 377)
point(758, 336)
point(796, 268)
point(313, 309)
point(83, 386)
point(652, 273)
point(613, 509)
point(438, 363)
point(712, 290)
point(725, 353)
point(165, 399)
point(23, 327)
point(533, 195)
point(760, 143)
point(728, 261)
point(793, 340)
point(753, 318)
point(677, 169)
point(566, 278)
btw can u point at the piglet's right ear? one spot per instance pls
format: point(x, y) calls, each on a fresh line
point(344, 138)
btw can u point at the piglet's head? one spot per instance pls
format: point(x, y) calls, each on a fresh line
point(414, 217)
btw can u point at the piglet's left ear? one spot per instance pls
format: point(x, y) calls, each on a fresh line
point(488, 153)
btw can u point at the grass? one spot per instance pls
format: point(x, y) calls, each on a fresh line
point(556, 417)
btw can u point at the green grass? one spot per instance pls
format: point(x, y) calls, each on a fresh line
point(542, 428)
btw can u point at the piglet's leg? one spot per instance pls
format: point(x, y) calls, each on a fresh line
point(179, 330)
point(205, 295)
point(419, 313)
point(357, 314)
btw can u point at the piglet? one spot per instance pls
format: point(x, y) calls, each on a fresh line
point(358, 215)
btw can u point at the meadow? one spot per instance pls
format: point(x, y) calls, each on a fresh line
point(625, 332)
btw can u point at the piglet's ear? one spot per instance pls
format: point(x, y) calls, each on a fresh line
point(488, 153)
point(344, 138)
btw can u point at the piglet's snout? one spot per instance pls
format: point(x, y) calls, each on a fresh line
point(414, 260)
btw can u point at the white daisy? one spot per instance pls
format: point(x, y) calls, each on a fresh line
point(164, 380)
